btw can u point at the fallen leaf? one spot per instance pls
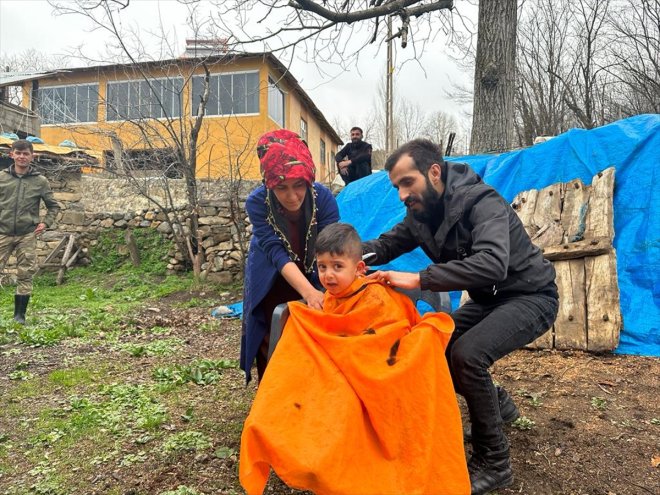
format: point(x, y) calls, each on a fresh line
point(655, 461)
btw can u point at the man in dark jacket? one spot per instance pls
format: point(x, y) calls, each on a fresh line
point(478, 244)
point(21, 191)
point(354, 159)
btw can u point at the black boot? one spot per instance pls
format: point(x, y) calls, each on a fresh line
point(20, 306)
point(489, 470)
point(508, 411)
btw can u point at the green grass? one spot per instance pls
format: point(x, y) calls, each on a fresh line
point(71, 377)
point(68, 415)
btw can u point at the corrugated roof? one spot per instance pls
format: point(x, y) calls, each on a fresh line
point(210, 59)
point(15, 78)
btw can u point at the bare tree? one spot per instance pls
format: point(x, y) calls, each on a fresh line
point(438, 127)
point(29, 60)
point(324, 29)
point(637, 56)
point(543, 36)
point(158, 131)
point(586, 85)
point(494, 77)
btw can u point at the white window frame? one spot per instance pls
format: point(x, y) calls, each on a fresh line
point(322, 151)
point(304, 133)
point(124, 118)
point(275, 90)
point(74, 122)
point(195, 102)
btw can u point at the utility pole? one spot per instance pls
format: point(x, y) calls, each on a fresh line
point(389, 93)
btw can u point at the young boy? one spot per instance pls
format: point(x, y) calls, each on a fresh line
point(357, 398)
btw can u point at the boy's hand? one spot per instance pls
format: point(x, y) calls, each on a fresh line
point(314, 299)
point(40, 228)
point(405, 280)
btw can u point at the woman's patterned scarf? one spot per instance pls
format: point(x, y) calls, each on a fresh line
point(280, 224)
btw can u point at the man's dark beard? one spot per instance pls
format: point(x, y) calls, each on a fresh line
point(433, 208)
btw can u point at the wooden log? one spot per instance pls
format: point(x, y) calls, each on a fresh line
point(603, 311)
point(571, 323)
point(579, 249)
point(574, 210)
point(600, 217)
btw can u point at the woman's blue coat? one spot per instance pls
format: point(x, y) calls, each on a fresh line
point(266, 258)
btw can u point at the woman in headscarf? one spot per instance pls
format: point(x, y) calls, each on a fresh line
point(287, 212)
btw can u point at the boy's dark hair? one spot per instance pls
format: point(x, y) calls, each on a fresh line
point(357, 129)
point(22, 144)
point(340, 239)
point(423, 152)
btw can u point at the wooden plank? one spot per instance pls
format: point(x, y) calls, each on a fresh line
point(571, 323)
point(69, 248)
point(56, 250)
point(603, 311)
point(132, 247)
point(547, 216)
point(549, 235)
point(600, 216)
point(579, 249)
point(73, 257)
point(524, 204)
point(574, 210)
point(545, 341)
point(65, 258)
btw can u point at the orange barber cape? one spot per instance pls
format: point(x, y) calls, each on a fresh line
point(358, 399)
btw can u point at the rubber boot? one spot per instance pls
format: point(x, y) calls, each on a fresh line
point(508, 411)
point(20, 306)
point(490, 470)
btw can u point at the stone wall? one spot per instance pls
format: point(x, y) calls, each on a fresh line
point(92, 204)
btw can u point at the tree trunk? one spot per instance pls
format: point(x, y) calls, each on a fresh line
point(494, 77)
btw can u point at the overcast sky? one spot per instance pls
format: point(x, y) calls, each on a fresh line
point(346, 97)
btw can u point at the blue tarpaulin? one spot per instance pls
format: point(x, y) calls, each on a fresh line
point(632, 146)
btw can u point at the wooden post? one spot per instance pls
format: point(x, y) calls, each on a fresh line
point(65, 257)
point(132, 247)
point(603, 310)
point(571, 323)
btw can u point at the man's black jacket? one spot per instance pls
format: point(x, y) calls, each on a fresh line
point(360, 155)
point(480, 245)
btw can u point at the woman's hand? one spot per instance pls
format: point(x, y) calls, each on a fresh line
point(314, 298)
point(405, 280)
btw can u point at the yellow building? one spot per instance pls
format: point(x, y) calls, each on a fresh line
point(139, 110)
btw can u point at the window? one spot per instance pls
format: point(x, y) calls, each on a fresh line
point(275, 102)
point(322, 152)
point(303, 129)
point(67, 104)
point(229, 94)
point(152, 99)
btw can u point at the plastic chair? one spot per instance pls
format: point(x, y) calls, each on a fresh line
point(439, 301)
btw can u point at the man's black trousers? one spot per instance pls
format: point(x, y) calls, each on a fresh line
point(485, 333)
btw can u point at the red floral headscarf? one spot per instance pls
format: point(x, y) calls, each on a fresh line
point(284, 155)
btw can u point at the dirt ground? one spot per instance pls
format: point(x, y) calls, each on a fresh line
point(592, 421)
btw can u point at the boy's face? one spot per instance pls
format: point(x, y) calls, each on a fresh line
point(337, 272)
